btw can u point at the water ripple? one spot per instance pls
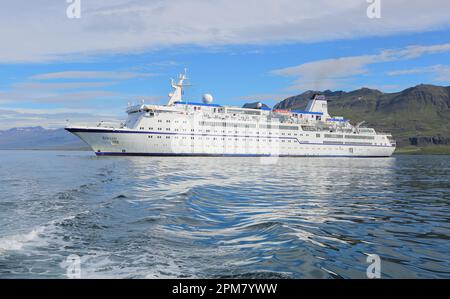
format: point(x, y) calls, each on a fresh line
point(227, 218)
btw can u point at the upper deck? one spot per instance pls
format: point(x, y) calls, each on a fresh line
point(314, 118)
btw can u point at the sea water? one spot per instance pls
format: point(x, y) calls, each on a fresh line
point(169, 217)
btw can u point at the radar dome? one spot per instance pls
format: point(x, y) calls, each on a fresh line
point(207, 98)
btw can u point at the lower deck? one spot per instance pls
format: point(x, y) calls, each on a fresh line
point(115, 142)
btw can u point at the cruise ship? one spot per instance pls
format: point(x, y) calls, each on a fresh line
point(185, 128)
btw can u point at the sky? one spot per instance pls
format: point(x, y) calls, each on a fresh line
point(82, 61)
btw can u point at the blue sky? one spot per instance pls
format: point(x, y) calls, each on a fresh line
point(53, 68)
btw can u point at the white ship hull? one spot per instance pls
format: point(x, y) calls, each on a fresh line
point(116, 142)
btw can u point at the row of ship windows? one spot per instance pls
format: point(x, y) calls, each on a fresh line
point(248, 126)
point(349, 136)
point(221, 138)
point(254, 139)
point(175, 121)
point(269, 126)
point(318, 135)
point(224, 131)
point(282, 149)
point(347, 142)
point(236, 125)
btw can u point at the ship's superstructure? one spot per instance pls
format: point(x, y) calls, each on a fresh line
point(182, 128)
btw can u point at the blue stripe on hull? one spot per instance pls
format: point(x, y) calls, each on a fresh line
point(224, 155)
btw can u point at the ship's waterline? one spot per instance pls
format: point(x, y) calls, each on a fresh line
point(206, 129)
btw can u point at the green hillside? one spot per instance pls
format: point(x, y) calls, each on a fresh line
point(418, 116)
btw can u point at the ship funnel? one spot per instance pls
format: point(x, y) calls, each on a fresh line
point(318, 103)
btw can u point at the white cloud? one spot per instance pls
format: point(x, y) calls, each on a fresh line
point(36, 89)
point(327, 73)
point(36, 31)
point(117, 75)
point(440, 72)
point(53, 96)
point(61, 85)
point(73, 98)
point(338, 72)
point(417, 51)
point(54, 118)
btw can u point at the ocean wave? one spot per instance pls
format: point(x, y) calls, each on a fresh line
point(37, 236)
point(18, 241)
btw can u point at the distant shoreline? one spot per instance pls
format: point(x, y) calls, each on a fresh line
point(426, 150)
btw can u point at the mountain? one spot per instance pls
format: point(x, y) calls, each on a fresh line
point(39, 138)
point(418, 115)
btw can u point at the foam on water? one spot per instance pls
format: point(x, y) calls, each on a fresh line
point(18, 241)
point(205, 217)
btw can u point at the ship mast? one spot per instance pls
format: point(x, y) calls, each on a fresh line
point(177, 94)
